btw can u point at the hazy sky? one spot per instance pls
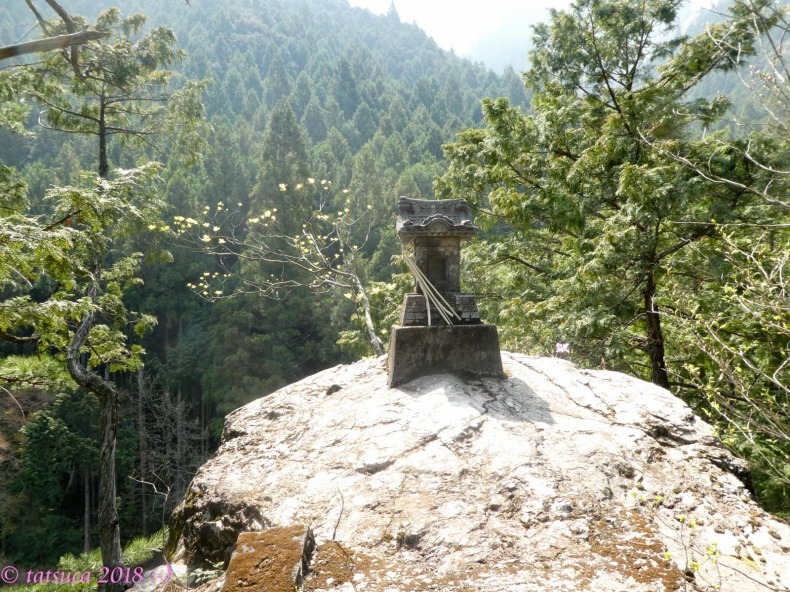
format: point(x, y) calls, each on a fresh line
point(458, 24)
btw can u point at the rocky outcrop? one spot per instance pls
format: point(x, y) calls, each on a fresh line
point(553, 478)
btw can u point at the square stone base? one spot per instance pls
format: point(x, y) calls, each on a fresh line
point(418, 351)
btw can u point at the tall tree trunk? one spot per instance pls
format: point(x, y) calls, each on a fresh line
point(179, 485)
point(143, 447)
point(104, 167)
point(655, 337)
point(109, 529)
point(203, 425)
point(86, 485)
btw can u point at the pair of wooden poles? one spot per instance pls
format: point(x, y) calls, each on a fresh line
point(431, 294)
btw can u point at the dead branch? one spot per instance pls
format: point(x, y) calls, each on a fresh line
point(50, 43)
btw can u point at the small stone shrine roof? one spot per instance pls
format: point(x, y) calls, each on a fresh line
point(430, 217)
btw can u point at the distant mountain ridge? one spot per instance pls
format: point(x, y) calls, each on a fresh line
point(509, 45)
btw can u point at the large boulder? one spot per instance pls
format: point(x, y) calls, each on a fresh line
point(553, 478)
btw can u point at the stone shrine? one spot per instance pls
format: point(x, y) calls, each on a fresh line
point(440, 328)
point(437, 228)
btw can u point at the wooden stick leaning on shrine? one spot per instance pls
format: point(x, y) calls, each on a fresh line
point(432, 295)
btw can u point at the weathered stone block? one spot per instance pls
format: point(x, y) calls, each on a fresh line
point(417, 351)
point(466, 307)
point(415, 313)
point(274, 560)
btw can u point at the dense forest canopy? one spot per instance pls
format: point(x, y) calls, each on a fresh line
point(220, 222)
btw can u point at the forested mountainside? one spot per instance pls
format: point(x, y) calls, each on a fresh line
point(625, 223)
point(367, 102)
point(295, 90)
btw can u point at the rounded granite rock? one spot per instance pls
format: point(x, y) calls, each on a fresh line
point(550, 479)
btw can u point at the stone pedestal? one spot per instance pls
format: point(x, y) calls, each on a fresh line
point(418, 351)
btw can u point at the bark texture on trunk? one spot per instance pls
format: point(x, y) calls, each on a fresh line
point(370, 328)
point(180, 486)
point(143, 446)
point(86, 486)
point(104, 166)
point(109, 530)
point(655, 337)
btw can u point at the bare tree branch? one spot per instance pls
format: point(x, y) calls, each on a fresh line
point(50, 43)
point(41, 21)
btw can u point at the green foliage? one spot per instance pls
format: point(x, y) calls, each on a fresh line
point(740, 323)
point(590, 198)
point(120, 87)
point(386, 300)
point(136, 552)
point(60, 253)
point(13, 113)
point(57, 440)
point(32, 372)
point(71, 258)
point(616, 226)
point(58, 445)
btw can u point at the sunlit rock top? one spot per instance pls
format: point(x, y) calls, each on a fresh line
point(552, 479)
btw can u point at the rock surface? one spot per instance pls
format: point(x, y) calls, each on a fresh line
point(551, 479)
point(278, 556)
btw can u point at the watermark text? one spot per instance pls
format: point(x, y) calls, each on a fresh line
point(105, 575)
